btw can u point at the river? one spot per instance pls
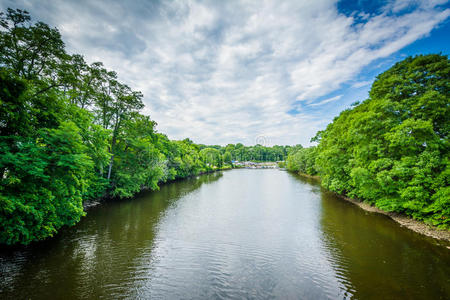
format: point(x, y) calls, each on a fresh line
point(240, 234)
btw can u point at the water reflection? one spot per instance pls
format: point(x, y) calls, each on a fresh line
point(253, 234)
point(98, 257)
point(375, 258)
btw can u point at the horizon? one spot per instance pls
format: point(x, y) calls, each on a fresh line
point(228, 73)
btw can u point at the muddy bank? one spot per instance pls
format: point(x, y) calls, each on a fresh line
point(405, 221)
point(414, 225)
point(309, 176)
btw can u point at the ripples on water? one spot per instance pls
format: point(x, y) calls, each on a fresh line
point(257, 234)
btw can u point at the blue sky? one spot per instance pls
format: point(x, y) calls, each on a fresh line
point(223, 72)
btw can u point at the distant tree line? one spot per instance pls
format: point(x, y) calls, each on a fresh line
point(239, 152)
point(391, 150)
point(71, 132)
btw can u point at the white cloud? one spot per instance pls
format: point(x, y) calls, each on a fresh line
point(328, 100)
point(228, 71)
point(360, 84)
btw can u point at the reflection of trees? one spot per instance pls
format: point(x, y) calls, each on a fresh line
point(375, 258)
point(98, 257)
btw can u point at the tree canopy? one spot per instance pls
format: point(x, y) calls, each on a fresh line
point(392, 150)
point(71, 132)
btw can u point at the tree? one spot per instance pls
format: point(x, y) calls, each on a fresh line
point(392, 149)
point(115, 104)
point(303, 160)
point(42, 184)
point(139, 163)
point(227, 158)
point(211, 157)
point(32, 51)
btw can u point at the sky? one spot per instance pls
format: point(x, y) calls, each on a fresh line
point(267, 72)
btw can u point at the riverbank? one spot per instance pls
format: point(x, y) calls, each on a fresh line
point(191, 233)
point(414, 225)
point(309, 176)
point(99, 201)
point(403, 220)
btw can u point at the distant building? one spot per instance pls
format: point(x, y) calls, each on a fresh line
point(256, 165)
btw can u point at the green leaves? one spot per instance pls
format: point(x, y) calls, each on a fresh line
point(42, 183)
point(302, 160)
point(54, 153)
point(211, 157)
point(31, 50)
point(392, 149)
point(71, 132)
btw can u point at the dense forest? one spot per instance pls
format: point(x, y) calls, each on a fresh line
point(71, 132)
point(391, 150)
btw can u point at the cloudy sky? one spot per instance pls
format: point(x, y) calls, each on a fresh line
point(272, 72)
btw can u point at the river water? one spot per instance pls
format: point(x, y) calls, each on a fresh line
point(240, 234)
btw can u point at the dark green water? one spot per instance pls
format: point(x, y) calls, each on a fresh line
point(243, 234)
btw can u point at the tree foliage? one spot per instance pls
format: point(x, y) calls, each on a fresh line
point(302, 160)
point(392, 150)
point(71, 133)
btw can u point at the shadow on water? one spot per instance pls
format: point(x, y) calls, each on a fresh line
point(258, 234)
point(98, 256)
point(375, 258)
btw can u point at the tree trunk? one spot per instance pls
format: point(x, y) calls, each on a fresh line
point(110, 166)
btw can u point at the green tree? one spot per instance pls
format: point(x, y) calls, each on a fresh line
point(42, 184)
point(227, 158)
point(303, 160)
point(211, 157)
point(139, 164)
point(392, 149)
point(33, 51)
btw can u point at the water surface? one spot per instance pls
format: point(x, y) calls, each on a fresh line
point(255, 234)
